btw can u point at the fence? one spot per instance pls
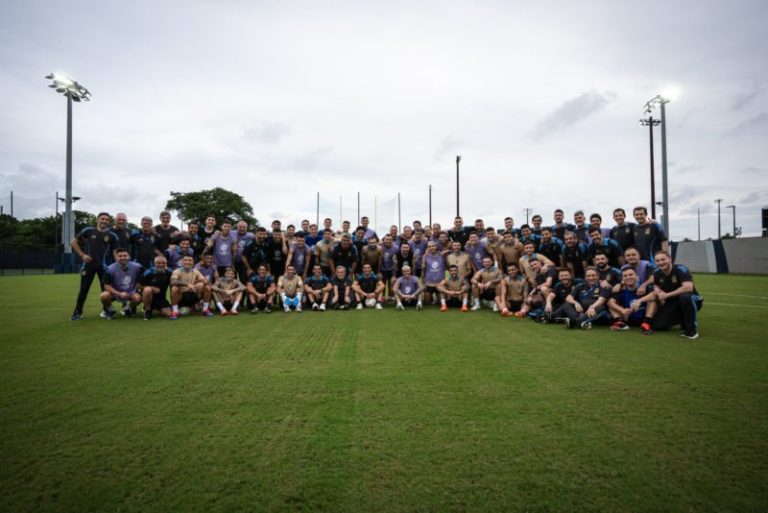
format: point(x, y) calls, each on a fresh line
point(739, 256)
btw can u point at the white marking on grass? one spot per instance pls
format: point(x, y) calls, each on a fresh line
point(762, 307)
point(735, 295)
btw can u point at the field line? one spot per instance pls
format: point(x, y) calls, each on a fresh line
point(761, 307)
point(735, 295)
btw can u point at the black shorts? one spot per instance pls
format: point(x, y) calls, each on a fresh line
point(189, 299)
point(386, 276)
point(515, 306)
point(409, 302)
point(159, 302)
point(488, 295)
point(454, 302)
point(430, 289)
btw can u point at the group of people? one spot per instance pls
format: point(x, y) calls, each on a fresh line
point(579, 274)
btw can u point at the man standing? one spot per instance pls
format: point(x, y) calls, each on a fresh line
point(575, 255)
point(122, 233)
point(649, 236)
point(460, 259)
point(559, 228)
point(323, 252)
point(433, 265)
point(165, 231)
point(604, 246)
point(121, 280)
point(369, 232)
point(459, 233)
point(223, 247)
point(300, 256)
point(243, 239)
point(174, 254)
point(144, 244)
point(94, 246)
point(623, 232)
point(344, 254)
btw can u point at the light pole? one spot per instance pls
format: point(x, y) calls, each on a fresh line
point(63, 200)
point(650, 123)
point(719, 233)
point(662, 101)
point(733, 208)
point(74, 92)
point(458, 159)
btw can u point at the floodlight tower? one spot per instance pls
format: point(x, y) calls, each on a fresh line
point(662, 101)
point(77, 93)
point(650, 123)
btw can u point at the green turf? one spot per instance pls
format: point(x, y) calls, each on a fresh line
point(379, 411)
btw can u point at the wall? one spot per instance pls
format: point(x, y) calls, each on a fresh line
point(740, 256)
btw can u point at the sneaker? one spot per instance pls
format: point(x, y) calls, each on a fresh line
point(476, 307)
point(545, 319)
point(399, 307)
point(174, 316)
point(464, 308)
point(586, 325)
point(234, 312)
point(322, 307)
point(419, 306)
point(287, 309)
point(298, 309)
point(359, 306)
point(379, 307)
point(443, 308)
point(646, 329)
point(107, 314)
point(690, 335)
point(567, 323)
point(495, 307)
point(619, 325)
point(315, 307)
point(519, 314)
point(207, 313)
point(267, 309)
point(343, 307)
point(147, 315)
point(255, 310)
point(76, 316)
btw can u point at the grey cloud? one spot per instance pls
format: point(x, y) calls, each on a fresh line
point(755, 124)
point(739, 100)
point(572, 111)
point(270, 132)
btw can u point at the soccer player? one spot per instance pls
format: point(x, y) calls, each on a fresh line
point(342, 298)
point(580, 227)
point(604, 246)
point(529, 255)
point(551, 247)
point(278, 253)
point(344, 254)
point(575, 255)
point(492, 243)
point(323, 252)
point(359, 242)
point(223, 247)
point(387, 267)
point(559, 228)
point(300, 256)
point(304, 229)
point(122, 233)
point(527, 235)
point(368, 288)
point(144, 244)
point(679, 302)
point(460, 259)
point(475, 248)
point(209, 229)
point(175, 253)
point(165, 231)
point(418, 248)
point(371, 255)
point(261, 290)
point(454, 290)
point(623, 232)
point(596, 221)
point(312, 238)
point(485, 284)
point(207, 269)
point(513, 290)
point(444, 244)
point(94, 246)
point(408, 289)
point(608, 276)
point(478, 228)
point(228, 292)
point(189, 287)
point(649, 236)
point(554, 309)
point(255, 253)
point(196, 241)
point(369, 232)
point(433, 265)
point(541, 283)
point(402, 258)
point(510, 250)
point(154, 289)
point(509, 226)
point(628, 307)
point(317, 289)
point(643, 268)
point(587, 303)
point(536, 221)
point(121, 280)
point(242, 239)
point(459, 233)
point(289, 287)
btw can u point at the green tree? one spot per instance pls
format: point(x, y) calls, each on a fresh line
point(224, 204)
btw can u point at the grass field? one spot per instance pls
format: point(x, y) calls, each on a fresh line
point(379, 411)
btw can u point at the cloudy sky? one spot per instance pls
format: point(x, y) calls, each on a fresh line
point(280, 100)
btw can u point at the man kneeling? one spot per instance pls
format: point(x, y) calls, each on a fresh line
point(408, 289)
point(121, 281)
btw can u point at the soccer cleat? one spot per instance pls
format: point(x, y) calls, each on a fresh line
point(315, 307)
point(586, 325)
point(567, 322)
point(619, 325)
point(322, 307)
point(107, 314)
point(379, 307)
point(255, 310)
point(174, 316)
point(690, 335)
point(76, 316)
point(443, 308)
point(359, 306)
point(476, 307)
point(287, 309)
point(267, 309)
point(147, 315)
point(495, 307)
point(298, 309)
point(464, 308)
point(399, 307)
point(207, 313)
point(646, 329)
point(519, 314)
point(234, 312)
point(419, 306)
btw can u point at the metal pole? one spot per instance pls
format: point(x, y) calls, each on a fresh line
point(733, 211)
point(719, 233)
point(11, 203)
point(317, 214)
point(430, 206)
point(458, 159)
point(68, 219)
point(664, 188)
point(653, 172)
point(399, 221)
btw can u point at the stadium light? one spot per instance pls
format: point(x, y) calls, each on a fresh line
point(719, 233)
point(650, 123)
point(651, 104)
point(73, 92)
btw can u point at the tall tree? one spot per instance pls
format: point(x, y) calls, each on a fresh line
point(224, 204)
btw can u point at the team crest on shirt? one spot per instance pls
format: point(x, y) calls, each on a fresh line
point(674, 279)
point(106, 238)
point(596, 292)
point(435, 265)
point(626, 230)
point(647, 231)
point(407, 289)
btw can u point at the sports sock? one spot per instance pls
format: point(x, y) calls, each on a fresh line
point(442, 302)
point(205, 306)
point(175, 308)
point(235, 305)
point(220, 306)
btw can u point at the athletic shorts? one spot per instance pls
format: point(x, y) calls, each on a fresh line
point(409, 302)
point(515, 306)
point(292, 302)
point(189, 299)
point(430, 289)
point(488, 295)
point(454, 302)
point(159, 302)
